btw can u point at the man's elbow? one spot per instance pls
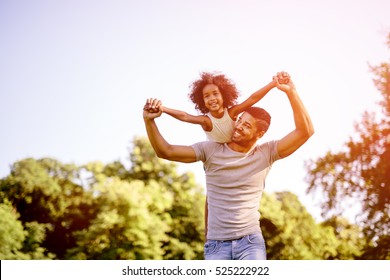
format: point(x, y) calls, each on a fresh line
point(159, 155)
point(164, 154)
point(310, 131)
point(307, 133)
point(309, 128)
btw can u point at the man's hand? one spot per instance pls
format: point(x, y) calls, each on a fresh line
point(283, 82)
point(152, 109)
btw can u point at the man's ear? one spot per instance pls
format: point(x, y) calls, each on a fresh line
point(260, 134)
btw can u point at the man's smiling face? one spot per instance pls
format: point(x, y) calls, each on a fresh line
point(245, 130)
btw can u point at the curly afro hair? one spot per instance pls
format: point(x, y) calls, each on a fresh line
point(226, 87)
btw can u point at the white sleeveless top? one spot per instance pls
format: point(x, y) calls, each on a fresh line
point(222, 128)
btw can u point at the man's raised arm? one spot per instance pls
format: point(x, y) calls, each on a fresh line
point(303, 125)
point(163, 149)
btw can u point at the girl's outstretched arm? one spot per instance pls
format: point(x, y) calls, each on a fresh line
point(255, 97)
point(204, 121)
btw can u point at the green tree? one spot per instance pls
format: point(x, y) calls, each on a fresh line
point(12, 233)
point(130, 223)
point(360, 173)
point(148, 211)
point(186, 212)
point(49, 202)
point(350, 244)
point(291, 233)
point(18, 242)
point(97, 211)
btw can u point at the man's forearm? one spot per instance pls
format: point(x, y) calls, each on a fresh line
point(159, 144)
point(302, 119)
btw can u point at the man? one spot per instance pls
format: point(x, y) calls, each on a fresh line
point(235, 173)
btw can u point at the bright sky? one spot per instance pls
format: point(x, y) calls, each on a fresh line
point(74, 74)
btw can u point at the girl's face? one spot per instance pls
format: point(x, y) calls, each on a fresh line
point(213, 98)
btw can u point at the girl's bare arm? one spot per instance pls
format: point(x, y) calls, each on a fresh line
point(204, 121)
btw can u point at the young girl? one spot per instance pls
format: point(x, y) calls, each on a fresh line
point(215, 96)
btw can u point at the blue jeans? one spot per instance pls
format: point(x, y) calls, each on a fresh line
point(249, 247)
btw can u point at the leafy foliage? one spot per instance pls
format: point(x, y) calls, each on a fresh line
point(99, 211)
point(291, 232)
point(360, 173)
point(50, 210)
point(186, 234)
point(18, 241)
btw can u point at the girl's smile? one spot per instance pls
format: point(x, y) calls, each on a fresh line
point(213, 99)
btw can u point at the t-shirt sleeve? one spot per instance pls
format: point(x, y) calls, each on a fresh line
point(271, 151)
point(274, 151)
point(203, 150)
point(199, 151)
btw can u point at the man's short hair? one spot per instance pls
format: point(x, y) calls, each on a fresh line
point(264, 119)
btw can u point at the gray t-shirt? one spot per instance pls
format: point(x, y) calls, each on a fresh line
point(235, 183)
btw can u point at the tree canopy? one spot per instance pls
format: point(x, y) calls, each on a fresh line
point(98, 211)
point(51, 210)
point(360, 173)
